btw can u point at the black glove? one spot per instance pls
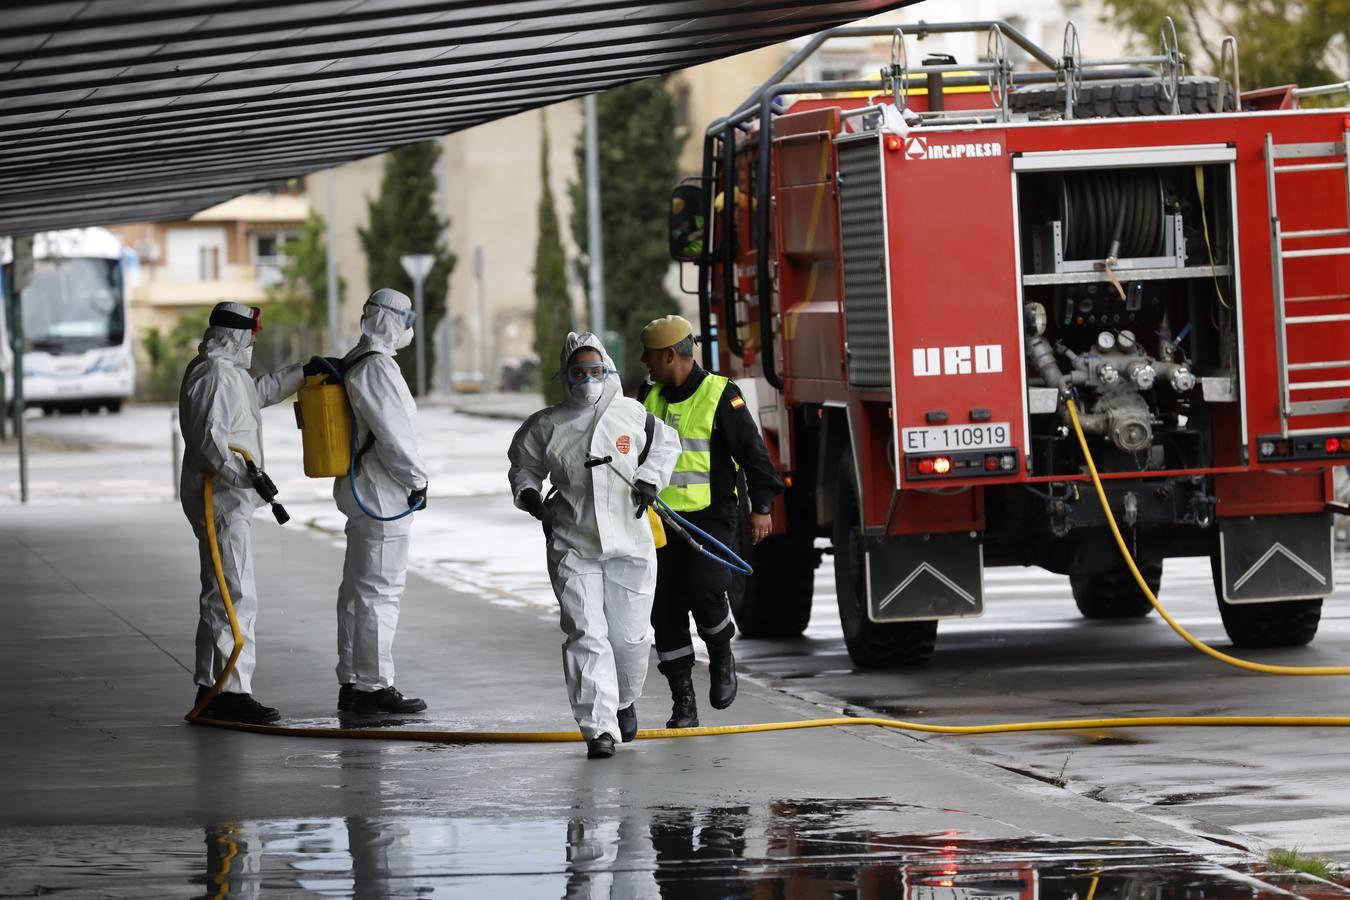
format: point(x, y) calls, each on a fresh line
point(320, 365)
point(532, 503)
point(644, 495)
point(261, 483)
point(418, 499)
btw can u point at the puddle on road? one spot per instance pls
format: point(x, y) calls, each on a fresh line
point(788, 849)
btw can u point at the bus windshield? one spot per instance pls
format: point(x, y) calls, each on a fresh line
point(74, 304)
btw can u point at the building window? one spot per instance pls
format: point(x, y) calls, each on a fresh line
point(269, 257)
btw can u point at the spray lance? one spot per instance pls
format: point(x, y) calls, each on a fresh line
point(681, 526)
point(266, 489)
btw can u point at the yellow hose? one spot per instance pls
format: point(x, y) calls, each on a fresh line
point(1167, 617)
point(558, 737)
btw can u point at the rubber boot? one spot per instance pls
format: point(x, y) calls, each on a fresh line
point(722, 673)
point(600, 747)
point(684, 704)
point(628, 726)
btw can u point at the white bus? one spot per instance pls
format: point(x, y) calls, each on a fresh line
point(78, 350)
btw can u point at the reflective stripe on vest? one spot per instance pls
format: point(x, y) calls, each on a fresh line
point(691, 485)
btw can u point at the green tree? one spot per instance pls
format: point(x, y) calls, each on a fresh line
point(1279, 41)
point(169, 352)
point(552, 305)
point(639, 149)
point(403, 220)
point(301, 297)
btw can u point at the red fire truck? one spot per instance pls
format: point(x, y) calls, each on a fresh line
point(908, 277)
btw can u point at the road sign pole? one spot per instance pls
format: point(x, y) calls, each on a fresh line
point(418, 266)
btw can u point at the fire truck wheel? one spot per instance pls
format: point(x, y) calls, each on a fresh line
point(1130, 97)
point(1281, 623)
point(775, 602)
point(1115, 594)
point(870, 644)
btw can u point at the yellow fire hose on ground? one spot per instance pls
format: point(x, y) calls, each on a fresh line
point(549, 737)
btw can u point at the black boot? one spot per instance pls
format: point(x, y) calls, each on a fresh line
point(628, 722)
point(240, 708)
point(385, 700)
point(600, 747)
point(722, 673)
point(346, 699)
point(684, 706)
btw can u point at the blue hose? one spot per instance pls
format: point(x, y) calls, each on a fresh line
point(680, 523)
point(351, 466)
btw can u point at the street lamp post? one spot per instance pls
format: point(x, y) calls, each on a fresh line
point(418, 266)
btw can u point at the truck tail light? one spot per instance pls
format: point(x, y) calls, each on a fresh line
point(894, 143)
point(962, 464)
point(1310, 448)
point(942, 465)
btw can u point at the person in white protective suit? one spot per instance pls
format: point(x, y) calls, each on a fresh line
point(601, 555)
point(390, 480)
point(219, 406)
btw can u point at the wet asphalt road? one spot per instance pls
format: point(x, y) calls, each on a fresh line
point(1030, 657)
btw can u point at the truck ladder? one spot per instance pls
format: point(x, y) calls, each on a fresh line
point(1285, 316)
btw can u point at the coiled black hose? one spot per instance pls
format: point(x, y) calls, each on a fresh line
point(1099, 208)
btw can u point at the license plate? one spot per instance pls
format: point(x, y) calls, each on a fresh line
point(956, 437)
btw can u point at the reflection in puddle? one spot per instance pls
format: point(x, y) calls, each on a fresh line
point(790, 849)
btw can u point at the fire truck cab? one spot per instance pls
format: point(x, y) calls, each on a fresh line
point(908, 277)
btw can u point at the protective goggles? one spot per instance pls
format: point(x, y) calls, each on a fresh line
point(223, 318)
point(406, 316)
point(580, 373)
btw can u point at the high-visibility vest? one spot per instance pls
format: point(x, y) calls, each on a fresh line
point(691, 484)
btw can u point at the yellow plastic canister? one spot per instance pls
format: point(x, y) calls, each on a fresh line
point(325, 429)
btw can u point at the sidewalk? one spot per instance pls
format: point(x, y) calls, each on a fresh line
point(95, 657)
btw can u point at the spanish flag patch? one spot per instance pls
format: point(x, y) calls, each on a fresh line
point(737, 402)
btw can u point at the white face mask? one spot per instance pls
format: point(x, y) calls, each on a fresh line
point(404, 339)
point(589, 391)
point(246, 357)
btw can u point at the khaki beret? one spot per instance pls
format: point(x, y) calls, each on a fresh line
point(666, 331)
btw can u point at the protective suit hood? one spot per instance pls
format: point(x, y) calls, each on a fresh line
point(612, 386)
point(232, 344)
point(383, 327)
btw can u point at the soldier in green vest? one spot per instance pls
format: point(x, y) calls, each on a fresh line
point(718, 439)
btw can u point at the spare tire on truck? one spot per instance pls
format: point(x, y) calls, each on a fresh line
point(1197, 95)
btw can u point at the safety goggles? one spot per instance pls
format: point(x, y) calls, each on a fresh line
point(223, 318)
point(579, 373)
point(406, 316)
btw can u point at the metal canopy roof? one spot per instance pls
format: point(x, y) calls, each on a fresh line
point(129, 110)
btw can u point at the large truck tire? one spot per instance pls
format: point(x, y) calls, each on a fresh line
point(870, 645)
point(1279, 623)
point(1115, 594)
point(1197, 94)
point(775, 602)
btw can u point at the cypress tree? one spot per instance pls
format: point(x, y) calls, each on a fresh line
point(403, 221)
point(552, 306)
point(639, 150)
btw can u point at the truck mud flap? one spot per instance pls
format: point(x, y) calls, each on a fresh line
point(1264, 558)
point(937, 576)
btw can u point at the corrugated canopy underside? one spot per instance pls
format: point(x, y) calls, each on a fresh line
point(131, 110)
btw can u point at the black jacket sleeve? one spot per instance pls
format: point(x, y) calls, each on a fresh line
point(746, 445)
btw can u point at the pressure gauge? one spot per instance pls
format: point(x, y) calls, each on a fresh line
point(1106, 341)
point(1126, 340)
point(1036, 318)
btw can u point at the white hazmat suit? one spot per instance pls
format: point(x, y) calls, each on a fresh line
point(376, 566)
point(219, 404)
point(601, 559)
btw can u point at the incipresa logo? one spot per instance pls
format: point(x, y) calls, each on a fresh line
point(917, 147)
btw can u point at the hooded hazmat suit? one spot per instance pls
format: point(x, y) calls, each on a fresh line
point(219, 404)
point(376, 566)
point(601, 559)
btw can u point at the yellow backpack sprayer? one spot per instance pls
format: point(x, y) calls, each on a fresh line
point(327, 424)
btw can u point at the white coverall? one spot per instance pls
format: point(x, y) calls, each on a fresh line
point(219, 404)
point(601, 560)
point(376, 566)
